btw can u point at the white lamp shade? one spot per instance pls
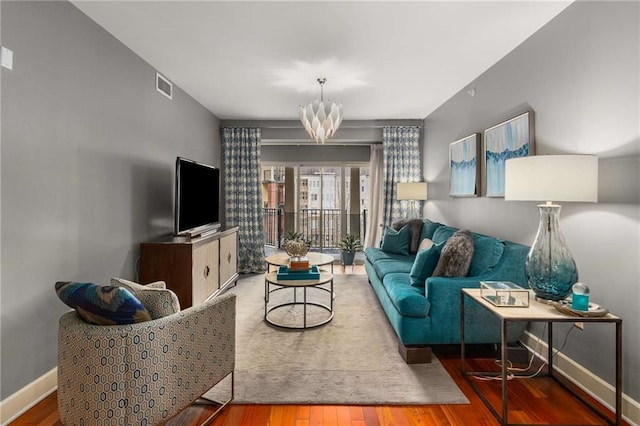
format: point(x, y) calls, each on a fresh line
point(552, 178)
point(411, 191)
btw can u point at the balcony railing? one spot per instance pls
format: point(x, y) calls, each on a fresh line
point(321, 227)
point(273, 225)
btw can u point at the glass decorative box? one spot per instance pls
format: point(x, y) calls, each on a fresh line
point(504, 294)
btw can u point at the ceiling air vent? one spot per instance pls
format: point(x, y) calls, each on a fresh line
point(164, 86)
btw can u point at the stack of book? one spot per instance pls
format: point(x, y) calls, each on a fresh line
point(299, 264)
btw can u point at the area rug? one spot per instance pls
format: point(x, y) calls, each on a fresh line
point(352, 360)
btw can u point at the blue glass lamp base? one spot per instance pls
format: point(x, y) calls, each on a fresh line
point(555, 286)
point(550, 269)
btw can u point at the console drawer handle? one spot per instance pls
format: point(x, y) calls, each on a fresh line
point(206, 271)
point(229, 258)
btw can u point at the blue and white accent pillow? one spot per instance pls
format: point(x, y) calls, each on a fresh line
point(159, 300)
point(102, 305)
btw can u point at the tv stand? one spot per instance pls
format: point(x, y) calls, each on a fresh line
point(196, 269)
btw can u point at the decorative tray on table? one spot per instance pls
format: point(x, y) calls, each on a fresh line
point(284, 273)
point(564, 306)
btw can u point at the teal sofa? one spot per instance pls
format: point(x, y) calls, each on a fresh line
point(430, 314)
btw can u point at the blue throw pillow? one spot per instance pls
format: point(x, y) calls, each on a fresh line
point(102, 305)
point(396, 241)
point(487, 252)
point(424, 265)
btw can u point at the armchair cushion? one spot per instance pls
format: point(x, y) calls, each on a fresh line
point(159, 301)
point(102, 305)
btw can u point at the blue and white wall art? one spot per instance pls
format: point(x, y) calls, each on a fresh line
point(510, 139)
point(463, 166)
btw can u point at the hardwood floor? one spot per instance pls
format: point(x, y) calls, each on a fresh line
point(540, 401)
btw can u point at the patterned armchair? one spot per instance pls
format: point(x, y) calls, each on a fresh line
point(144, 373)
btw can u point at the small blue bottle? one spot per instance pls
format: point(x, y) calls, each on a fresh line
point(580, 298)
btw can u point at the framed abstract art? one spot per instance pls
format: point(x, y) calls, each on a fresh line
point(464, 168)
point(510, 139)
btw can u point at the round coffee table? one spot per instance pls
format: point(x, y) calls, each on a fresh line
point(315, 259)
point(272, 284)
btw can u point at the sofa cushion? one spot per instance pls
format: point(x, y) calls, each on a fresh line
point(424, 265)
point(442, 234)
point(384, 263)
point(102, 305)
point(159, 301)
point(408, 300)
point(456, 255)
point(396, 241)
point(374, 254)
point(487, 252)
point(389, 266)
point(428, 228)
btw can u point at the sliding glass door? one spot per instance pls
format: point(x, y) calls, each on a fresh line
point(323, 202)
point(320, 201)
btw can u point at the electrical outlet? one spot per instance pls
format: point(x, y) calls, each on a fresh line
point(6, 58)
point(579, 325)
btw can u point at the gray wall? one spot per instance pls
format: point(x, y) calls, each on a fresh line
point(315, 153)
point(580, 74)
point(287, 141)
point(88, 152)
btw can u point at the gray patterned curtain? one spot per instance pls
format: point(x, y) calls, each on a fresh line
point(243, 194)
point(401, 163)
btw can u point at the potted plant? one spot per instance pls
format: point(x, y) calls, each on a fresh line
point(294, 236)
point(350, 245)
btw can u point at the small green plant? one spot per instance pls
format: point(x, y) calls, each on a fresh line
point(294, 236)
point(351, 244)
point(297, 237)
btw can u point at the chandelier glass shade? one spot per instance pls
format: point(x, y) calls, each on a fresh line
point(321, 119)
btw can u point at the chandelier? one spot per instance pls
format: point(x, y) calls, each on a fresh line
point(321, 120)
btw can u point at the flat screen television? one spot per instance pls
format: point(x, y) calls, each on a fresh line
point(197, 198)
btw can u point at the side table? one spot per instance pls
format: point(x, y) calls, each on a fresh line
point(536, 312)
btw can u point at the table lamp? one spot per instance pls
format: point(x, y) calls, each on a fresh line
point(550, 269)
point(411, 191)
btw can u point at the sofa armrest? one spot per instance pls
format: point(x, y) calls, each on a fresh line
point(481, 326)
point(438, 289)
point(443, 295)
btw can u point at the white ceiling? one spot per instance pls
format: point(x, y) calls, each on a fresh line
point(382, 59)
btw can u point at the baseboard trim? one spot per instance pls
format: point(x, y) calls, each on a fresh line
point(585, 379)
point(17, 404)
